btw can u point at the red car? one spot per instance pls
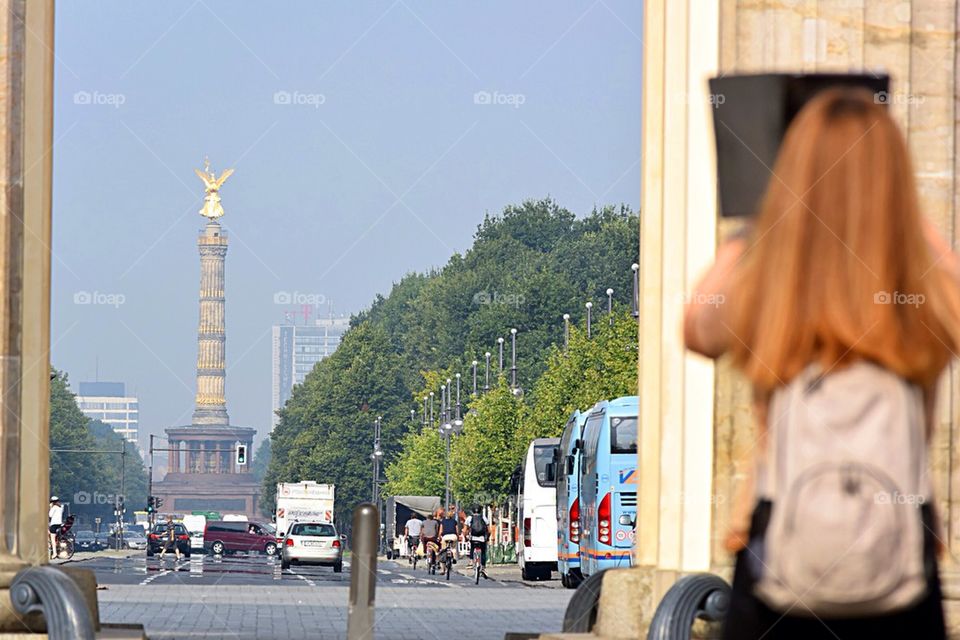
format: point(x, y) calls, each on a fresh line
point(221, 537)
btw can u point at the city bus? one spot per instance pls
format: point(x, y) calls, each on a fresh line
point(536, 544)
point(608, 490)
point(567, 466)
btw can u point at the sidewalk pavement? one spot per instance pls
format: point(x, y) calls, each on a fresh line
point(81, 556)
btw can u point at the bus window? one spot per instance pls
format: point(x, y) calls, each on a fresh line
point(543, 456)
point(623, 434)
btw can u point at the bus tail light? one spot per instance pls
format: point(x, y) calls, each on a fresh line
point(604, 518)
point(527, 541)
point(575, 521)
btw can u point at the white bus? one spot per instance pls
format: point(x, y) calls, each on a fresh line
point(536, 543)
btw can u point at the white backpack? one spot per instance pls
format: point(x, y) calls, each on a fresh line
point(846, 472)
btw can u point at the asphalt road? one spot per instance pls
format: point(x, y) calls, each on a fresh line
point(251, 597)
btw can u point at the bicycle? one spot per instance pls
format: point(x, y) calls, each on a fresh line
point(477, 564)
point(432, 549)
point(448, 559)
point(413, 555)
point(65, 541)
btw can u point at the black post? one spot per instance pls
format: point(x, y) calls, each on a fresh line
point(363, 572)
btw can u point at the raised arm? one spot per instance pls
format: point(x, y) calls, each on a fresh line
point(704, 330)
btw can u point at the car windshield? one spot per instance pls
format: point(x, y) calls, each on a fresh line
point(134, 528)
point(177, 527)
point(85, 534)
point(313, 529)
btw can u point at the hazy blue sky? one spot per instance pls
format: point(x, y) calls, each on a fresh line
point(362, 152)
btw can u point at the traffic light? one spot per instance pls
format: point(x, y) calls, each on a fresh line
point(157, 503)
point(241, 454)
point(150, 504)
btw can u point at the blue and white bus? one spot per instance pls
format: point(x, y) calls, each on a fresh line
point(608, 491)
point(567, 465)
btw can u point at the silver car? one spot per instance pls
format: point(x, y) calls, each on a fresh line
point(312, 543)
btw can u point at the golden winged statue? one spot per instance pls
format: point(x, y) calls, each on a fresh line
point(211, 202)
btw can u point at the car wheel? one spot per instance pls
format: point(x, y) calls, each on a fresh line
point(217, 548)
point(338, 568)
point(270, 549)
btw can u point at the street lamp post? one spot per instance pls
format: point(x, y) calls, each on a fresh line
point(500, 344)
point(513, 359)
point(475, 363)
point(424, 412)
point(486, 375)
point(458, 397)
point(610, 305)
point(636, 289)
point(375, 456)
point(589, 306)
point(431, 409)
point(566, 331)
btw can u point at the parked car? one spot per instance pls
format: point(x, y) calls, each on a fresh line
point(221, 537)
point(87, 541)
point(312, 543)
point(131, 540)
point(158, 538)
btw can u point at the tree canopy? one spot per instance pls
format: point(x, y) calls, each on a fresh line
point(527, 267)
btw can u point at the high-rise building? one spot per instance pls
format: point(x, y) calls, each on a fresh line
point(296, 349)
point(109, 403)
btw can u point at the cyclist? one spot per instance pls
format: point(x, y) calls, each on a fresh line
point(430, 535)
point(412, 531)
point(448, 531)
point(478, 531)
point(54, 522)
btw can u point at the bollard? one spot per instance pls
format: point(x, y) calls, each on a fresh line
point(363, 572)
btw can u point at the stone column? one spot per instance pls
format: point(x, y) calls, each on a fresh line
point(26, 126)
point(211, 408)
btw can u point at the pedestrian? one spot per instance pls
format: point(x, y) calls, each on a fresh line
point(840, 304)
point(170, 539)
point(54, 522)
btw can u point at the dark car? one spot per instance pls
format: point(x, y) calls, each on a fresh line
point(221, 537)
point(87, 541)
point(159, 537)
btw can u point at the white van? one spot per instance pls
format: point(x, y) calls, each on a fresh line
point(536, 544)
point(195, 526)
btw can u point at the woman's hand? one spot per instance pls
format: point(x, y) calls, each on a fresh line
point(704, 330)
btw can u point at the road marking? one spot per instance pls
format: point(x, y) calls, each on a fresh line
point(150, 579)
point(304, 578)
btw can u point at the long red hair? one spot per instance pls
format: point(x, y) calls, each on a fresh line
point(839, 268)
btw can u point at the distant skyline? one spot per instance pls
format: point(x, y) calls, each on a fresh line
point(369, 139)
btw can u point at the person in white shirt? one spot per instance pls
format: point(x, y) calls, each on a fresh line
point(54, 522)
point(412, 531)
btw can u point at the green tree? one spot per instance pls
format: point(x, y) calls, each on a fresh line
point(487, 451)
point(134, 470)
point(71, 472)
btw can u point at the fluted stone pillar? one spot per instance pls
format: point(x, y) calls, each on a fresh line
point(26, 126)
point(211, 407)
point(696, 430)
